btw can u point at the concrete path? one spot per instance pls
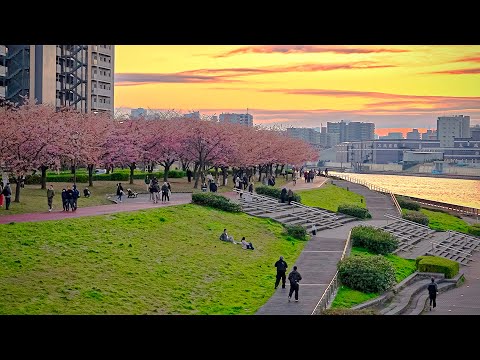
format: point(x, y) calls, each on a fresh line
point(302, 185)
point(132, 204)
point(464, 300)
point(377, 203)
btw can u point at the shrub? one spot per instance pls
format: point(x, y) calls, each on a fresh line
point(367, 273)
point(215, 201)
point(296, 231)
point(437, 264)
point(408, 204)
point(32, 179)
point(274, 192)
point(354, 210)
point(347, 311)
point(474, 229)
point(373, 239)
point(416, 216)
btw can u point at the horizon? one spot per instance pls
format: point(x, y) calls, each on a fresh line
point(393, 86)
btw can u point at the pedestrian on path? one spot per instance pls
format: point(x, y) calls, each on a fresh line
point(65, 200)
point(314, 230)
point(76, 195)
point(294, 278)
point(50, 195)
point(2, 197)
point(290, 196)
point(281, 266)
point(7, 192)
point(432, 293)
point(119, 192)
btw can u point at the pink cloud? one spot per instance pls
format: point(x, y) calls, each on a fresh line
point(457, 72)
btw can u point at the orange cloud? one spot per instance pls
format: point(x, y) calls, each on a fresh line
point(457, 72)
point(295, 49)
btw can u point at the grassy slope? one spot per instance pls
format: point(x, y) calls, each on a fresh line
point(165, 261)
point(330, 196)
point(444, 221)
point(347, 297)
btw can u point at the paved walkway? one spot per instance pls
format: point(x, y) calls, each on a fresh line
point(132, 204)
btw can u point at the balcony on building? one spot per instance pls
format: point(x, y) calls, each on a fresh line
point(100, 91)
point(102, 78)
point(2, 70)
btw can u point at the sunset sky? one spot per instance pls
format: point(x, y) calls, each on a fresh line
point(394, 86)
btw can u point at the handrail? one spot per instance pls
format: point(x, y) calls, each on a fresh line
point(449, 247)
point(333, 285)
point(408, 221)
point(395, 201)
point(465, 236)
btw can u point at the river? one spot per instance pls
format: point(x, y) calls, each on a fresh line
point(453, 191)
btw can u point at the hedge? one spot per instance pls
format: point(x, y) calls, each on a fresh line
point(82, 177)
point(375, 240)
point(367, 273)
point(354, 210)
point(416, 216)
point(296, 231)
point(216, 201)
point(408, 204)
point(274, 192)
point(437, 264)
point(474, 229)
point(347, 311)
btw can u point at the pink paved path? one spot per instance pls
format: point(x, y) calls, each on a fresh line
point(127, 205)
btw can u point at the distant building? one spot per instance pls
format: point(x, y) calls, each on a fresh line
point(413, 135)
point(193, 115)
point(352, 131)
point(138, 113)
point(475, 132)
point(3, 70)
point(392, 136)
point(450, 128)
point(242, 119)
point(306, 134)
point(429, 135)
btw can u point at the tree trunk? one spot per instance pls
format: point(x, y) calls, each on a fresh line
point(17, 189)
point(43, 181)
point(150, 168)
point(197, 175)
point(216, 174)
point(276, 170)
point(166, 170)
point(260, 173)
point(225, 174)
point(108, 169)
point(281, 171)
point(132, 168)
point(90, 175)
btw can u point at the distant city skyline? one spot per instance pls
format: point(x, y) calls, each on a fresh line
point(394, 86)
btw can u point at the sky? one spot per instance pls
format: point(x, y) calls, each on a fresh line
point(395, 86)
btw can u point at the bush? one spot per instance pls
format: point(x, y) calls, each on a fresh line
point(354, 210)
point(373, 239)
point(367, 273)
point(347, 311)
point(215, 201)
point(408, 204)
point(274, 192)
point(416, 216)
point(296, 231)
point(32, 179)
point(474, 229)
point(437, 264)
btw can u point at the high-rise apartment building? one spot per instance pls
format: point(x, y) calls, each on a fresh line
point(452, 127)
point(429, 135)
point(3, 70)
point(78, 76)
point(306, 134)
point(193, 115)
point(392, 136)
point(339, 128)
point(352, 131)
point(243, 119)
point(138, 113)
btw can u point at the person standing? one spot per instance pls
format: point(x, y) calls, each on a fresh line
point(314, 230)
point(2, 197)
point(147, 182)
point(294, 177)
point(189, 175)
point(432, 293)
point(290, 196)
point(281, 266)
point(119, 192)
point(50, 195)
point(250, 188)
point(65, 199)
point(70, 198)
point(294, 278)
point(7, 192)
point(165, 192)
point(75, 196)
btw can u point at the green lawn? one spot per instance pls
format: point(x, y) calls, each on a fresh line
point(443, 221)
point(159, 261)
point(330, 196)
point(347, 297)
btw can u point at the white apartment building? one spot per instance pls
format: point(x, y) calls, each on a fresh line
point(452, 127)
point(243, 119)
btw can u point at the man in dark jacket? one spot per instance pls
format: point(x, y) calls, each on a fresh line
point(294, 278)
point(75, 196)
point(7, 192)
point(283, 195)
point(432, 293)
point(189, 175)
point(281, 266)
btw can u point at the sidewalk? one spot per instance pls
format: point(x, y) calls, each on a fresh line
point(139, 203)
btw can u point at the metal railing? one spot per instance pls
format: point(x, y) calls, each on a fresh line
point(333, 285)
point(449, 247)
point(409, 222)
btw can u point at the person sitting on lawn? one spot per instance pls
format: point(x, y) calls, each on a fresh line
point(246, 245)
point(225, 237)
point(86, 192)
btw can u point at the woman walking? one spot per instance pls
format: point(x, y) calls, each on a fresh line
point(119, 192)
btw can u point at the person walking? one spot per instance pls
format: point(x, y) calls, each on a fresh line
point(147, 182)
point(165, 192)
point(2, 197)
point(189, 175)
point(65, 199)
point(75, 196)
point(250, 188)
point(281, 266)
point(50, 195)
point(314, 230)
point(290, 196)
point(432, 293)
point(294, 278)
point(119, 192)
point(69, 198)
point(7, 192)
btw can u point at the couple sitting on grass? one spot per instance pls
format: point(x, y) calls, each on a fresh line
point(245, 244)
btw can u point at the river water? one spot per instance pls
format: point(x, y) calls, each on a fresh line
point(452, 191)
